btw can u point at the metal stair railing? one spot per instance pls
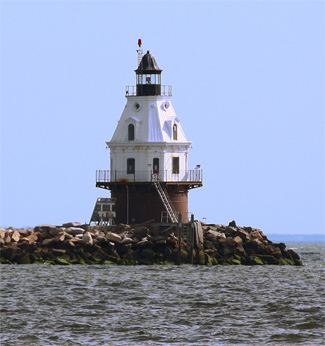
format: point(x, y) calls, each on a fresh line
point(164, 198)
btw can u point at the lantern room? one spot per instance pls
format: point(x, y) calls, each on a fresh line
point(148, 76)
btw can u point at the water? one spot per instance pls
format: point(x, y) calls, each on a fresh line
point(164, 305)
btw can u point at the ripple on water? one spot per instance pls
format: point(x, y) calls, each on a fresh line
point(155, 305)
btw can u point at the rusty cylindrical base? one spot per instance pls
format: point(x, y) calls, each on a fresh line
point(137, 203)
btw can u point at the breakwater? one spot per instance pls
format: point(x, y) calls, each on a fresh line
point(205, 244)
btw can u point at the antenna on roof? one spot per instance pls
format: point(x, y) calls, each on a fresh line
point(139, 51)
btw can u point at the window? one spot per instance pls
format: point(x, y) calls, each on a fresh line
point(148, 79)
point(130, 166)
point(106, 207)
point(175, 168)
point(175, 132)
point(131, 132)
point(155, 165)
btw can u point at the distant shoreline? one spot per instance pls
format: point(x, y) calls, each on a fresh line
point(305, 238)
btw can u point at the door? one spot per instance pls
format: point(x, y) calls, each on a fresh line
point(155, 165)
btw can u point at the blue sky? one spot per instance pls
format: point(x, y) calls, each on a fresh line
point(248, 83)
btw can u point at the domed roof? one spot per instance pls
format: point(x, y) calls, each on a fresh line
point(148, 64)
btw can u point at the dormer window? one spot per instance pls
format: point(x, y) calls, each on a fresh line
point(175, 132)
point(131, 132)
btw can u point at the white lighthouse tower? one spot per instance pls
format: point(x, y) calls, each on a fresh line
point(149, 176)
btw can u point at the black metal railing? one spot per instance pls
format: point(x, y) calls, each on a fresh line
point(190, 176)
point(131, 90)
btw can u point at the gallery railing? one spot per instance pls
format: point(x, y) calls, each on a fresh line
point(190, 176)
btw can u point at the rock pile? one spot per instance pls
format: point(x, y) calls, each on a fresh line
point(73, 243)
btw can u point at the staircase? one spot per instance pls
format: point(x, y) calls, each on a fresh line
point(164, 198)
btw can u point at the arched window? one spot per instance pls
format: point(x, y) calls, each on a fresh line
point(175, 132)
point(131, 132)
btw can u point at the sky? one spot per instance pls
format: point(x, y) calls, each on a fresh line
point(248, 83)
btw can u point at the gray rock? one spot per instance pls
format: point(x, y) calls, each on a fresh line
point(31, 239)
point(74, 230)
point(24, 232)
point(87, 238)
point(113, 237)
point(143, 241)
point(72, 224)
point(48, 241)
point(126, 240)
point(213, 235)
point(45, 228)
point(238, 240)
point(141, 231)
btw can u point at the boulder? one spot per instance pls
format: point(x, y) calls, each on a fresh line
point(232, 223)
point(213, 235)
point(15, 236)
point(72, 242)
point(257, 234)
point(74, 230)
point(253, 247)
point(60, 237)
point(113, 237)
point(120, 228)
point(48, 241)
point(273, 250)
point(268, 259)
point(67, 235)
point(24, 232)
point(143, 241)
point(231, 231)
point(71, 224)
point(238, 240)
point(54, 232)
point(2, 233)
point(31, 239)
point(146, 256)
point(45, 228)
point(141, 231)
point(293, 255)
point(87, 238)
point(59, 251)
point(227, 246)
point(242, 234)
point(126, 240)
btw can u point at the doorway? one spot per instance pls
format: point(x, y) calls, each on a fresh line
point(155, 165)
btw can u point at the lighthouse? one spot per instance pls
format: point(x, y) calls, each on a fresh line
point(149, 178)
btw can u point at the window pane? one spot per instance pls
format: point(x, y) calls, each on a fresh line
point(130, 166)
point(175, 168)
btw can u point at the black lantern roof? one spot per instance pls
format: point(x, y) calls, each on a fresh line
point(148, 65)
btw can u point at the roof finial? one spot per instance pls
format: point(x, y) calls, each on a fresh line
point(139, 51)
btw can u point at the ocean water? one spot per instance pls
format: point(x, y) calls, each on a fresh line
point(165, 305)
